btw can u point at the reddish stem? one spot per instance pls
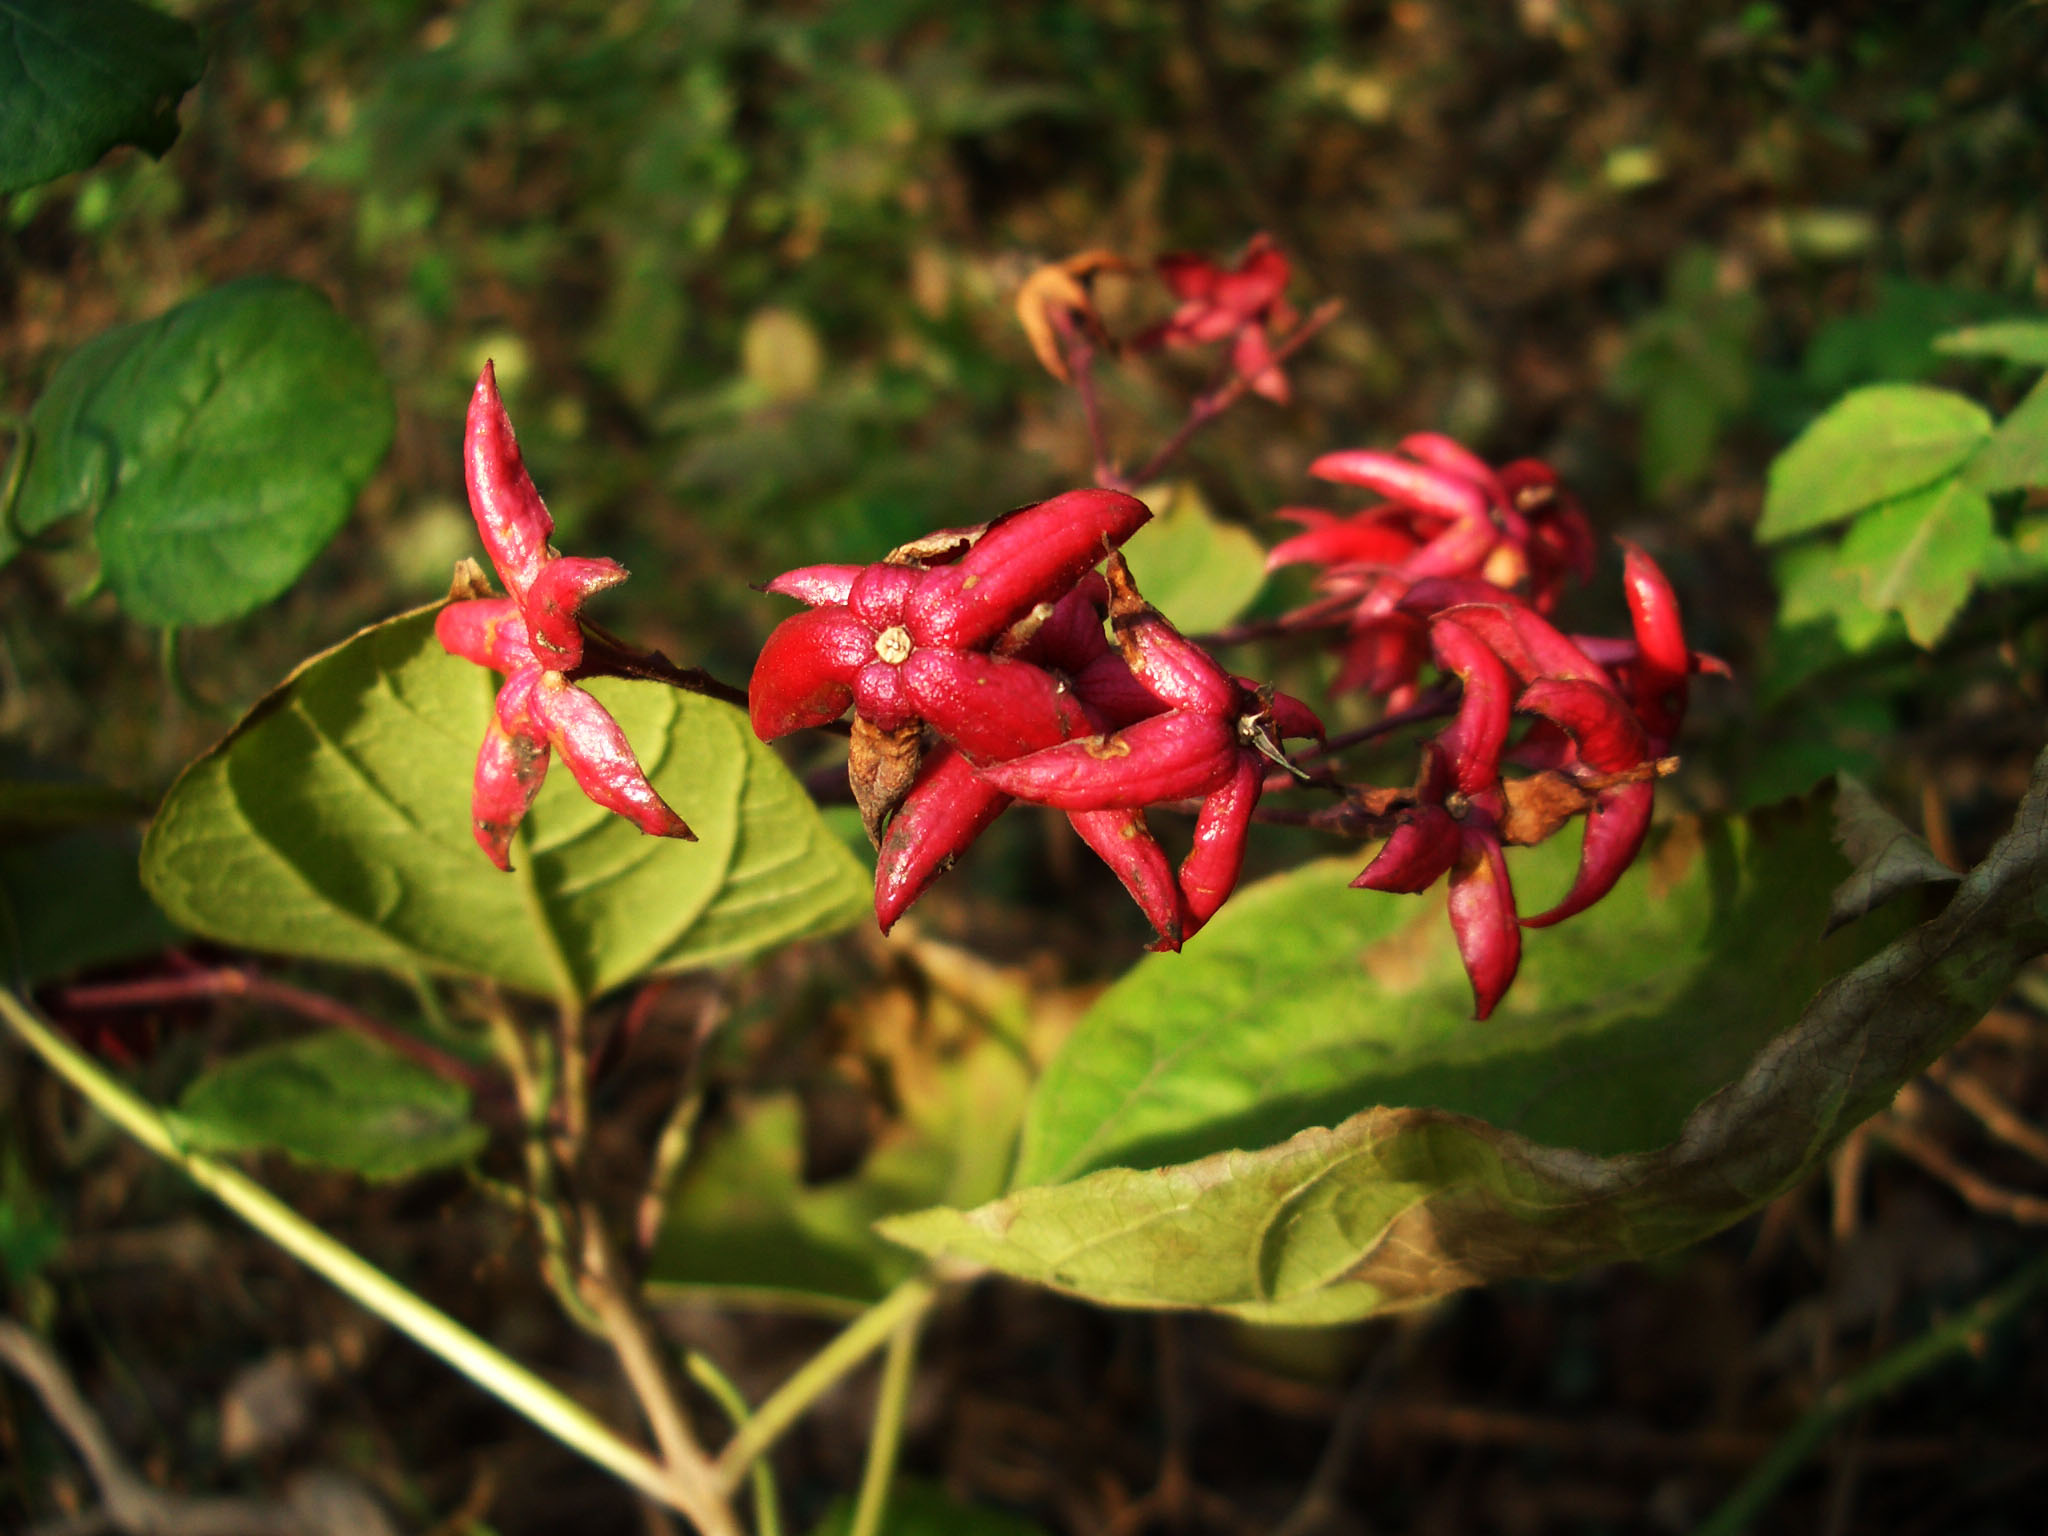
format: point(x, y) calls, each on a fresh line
point(230, 981)
point(1079, 350)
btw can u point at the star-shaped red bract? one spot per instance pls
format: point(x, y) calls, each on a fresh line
point(535, 638)
point(1235, 304)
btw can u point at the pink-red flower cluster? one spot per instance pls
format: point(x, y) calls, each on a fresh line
point(991, 640)
point(1447, 516)
point(534, 637)
point(1600, 723)
point(1240, 305)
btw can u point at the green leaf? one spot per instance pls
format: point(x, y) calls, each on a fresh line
point(1919, 555)
point(333, 823)
point(2017, 341)
point(1890, 857)
point(220, 445)
point(334, 1099)
point(1813, 583)
point(73, 901)
point(1870, 446)
point(1650, 1079)
point(744, 1224)
point(919, 1509)
point(2016, 457)
point(1196, 569)
point(78, 77)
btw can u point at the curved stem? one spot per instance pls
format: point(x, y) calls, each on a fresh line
point(497, 1373)
point(767, 1498)
point(818, 1375)
point(886, 1440)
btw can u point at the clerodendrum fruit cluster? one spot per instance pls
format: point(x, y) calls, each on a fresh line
point(979, 670)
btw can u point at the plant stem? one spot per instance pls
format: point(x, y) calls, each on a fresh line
point(859, 1339)
point(497, 1373)
point(767, 1498)
point(891, 1397)
point(1079, 352)
point(1849, 1396)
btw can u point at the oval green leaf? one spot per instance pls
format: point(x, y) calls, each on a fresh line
point(1198, 570)
point(335, 1100)
point(1670, 1068)
point(333, 823)
point(78, 77)
point(220, 446)
point(1871, 445)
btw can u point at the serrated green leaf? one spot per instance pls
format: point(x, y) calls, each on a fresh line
point(919, 1509)
point(78, 77)
point(1198, 570)
point(1919, 556)
point(221, 446)
point(745, 1225)
point(333, 823)
point(2016, 457)
point(2017, 341)
point(1872, 445)
point(1657, 1080)
point(334, 1099)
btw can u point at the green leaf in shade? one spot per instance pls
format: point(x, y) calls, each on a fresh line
point(1813, 583)
point(1919, 556)
point(1198, 570)
point(78, 77)
point(919, 1509)
point(1870, 446)
point(335, 1099)
point(333, 823)
point(2016, 457)
point(1665, 1064)
point(745, 1226)
point(220, 447)
point(72, 901)
point(2016, 341)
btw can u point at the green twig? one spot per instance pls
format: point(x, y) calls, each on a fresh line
point(886, 1438)
point(1853, 1394)
point(767, 1498)
point(854, 1343)
point(497, 1373)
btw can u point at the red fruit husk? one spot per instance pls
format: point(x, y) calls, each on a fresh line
point(553, 600)
point(991, 707)
point(509, 513)
point(1473, 740)
point(486, 630)
point(1482, 906)
point(816, 585)
point(1615, 829)
point(1125, 843)
point(1608, 736)
point(1175, 756)
point(509, 771)
point(948, 808)
point(1209, 873)
point(804, 674)
point(596, 751)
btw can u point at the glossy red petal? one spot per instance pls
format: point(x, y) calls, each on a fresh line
point(1415, 485)
point(1460, 550)
point(554, 599)
point(1663, 661)
point(1615, 829)
point(882, 594)
point(1473, 740)
point(1107, 687)
point(1209, 873)
point(804, 674)
point(816, 585)
point(880, 698)
point(1123, 842)
point(1416, 856)
point(1530, 645)
point(1606, 731)
point(1383, 656)
point(1173, 756)
point(509, 771)
point(1031, 556)
point(509, 513)
point(992, 707)
point(596, 751)
point(1453, 457)
point(948, 808)
point(1354, 541)
point(1482, 906)
point(1187, 275)
point(1177, 672)
point(1071, 637)
point(1439, 592)
point(1251, 356)
point(1293, 719)
point(486, 630)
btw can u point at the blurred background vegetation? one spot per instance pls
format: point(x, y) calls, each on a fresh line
point(747, 272)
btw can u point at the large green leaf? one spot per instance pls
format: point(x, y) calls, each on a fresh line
point(2016, 341)
point(2017, 454)
point(1871, 445)
point(1198, 570)
point(78, 77)
point(333, 823)
point(1919, 555)
point(745, 1225)
point(335, 1099)
point(1656, 1080)
point(220, 446)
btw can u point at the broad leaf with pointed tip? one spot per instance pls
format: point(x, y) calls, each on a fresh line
point(1870, 446)
point(334, 1099)
point(1296, 1121)
point(333, 823)
point(78, 77)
